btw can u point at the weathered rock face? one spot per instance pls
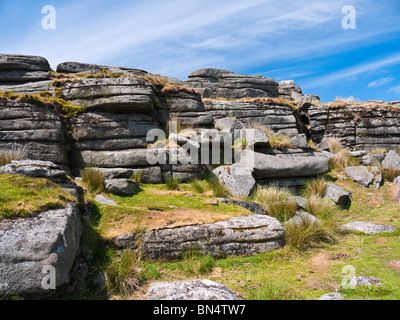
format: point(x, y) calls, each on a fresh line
point(35, 169)
point(238, 236)
point(392, 161)
point(287, 166)
point(20, 68)
point(289, 91)
point(39, 129)
point(212, 83)
point(125, 94)
point(190, 290)
point(188, 109)
point(277, 118)
point(361, 175)
point(358, 128)
point(28, 245)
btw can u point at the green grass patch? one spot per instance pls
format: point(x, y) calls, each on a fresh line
point(21, 196)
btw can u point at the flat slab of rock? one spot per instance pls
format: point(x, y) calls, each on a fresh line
point(286, 166)
point(367, 227)
point(190, 290)
point(337, 195)
point(238, 236)
point(121, 187)
point(35, 169)
point(361, 175)
point(332, 296)
point(249, 205)
point(365, 281)
point(105, 200)
point(27, 245)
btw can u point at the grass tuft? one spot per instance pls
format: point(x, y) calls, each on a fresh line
point(17, 152)
point(315, 187)
point(172, 183)
point(94, 180)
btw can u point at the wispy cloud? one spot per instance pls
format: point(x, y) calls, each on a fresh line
point(395, 89)
point(380, 82)
point(354, 71)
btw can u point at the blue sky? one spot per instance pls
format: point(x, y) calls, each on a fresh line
point(301, 40)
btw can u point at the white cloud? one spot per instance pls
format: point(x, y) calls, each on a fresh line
point(380, 82)
point(395, 89)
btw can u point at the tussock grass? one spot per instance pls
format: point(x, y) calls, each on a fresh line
point(320, 207)
point(123, 277)
point(306, 234)
point(17, 152)
point(219, 190)
point(315, 186)
point(334, 144)
point(172, 183)
point(93, 179)
point(198, 186)
point(387, 174)
point(275, 201)
point(176, 88)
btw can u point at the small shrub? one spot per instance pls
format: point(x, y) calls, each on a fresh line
point(172, 183)
point(307, 234)
point(123, 277)
point(17, 152)
point(94, 180)
point(275, 202)
point(315, 187)
point(219, 190)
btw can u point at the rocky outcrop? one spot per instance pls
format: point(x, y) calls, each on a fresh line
point(278, 118)
point(237, 236)
point(190, 290)
point(212, 83)
point(29, 246)
point(21, 68)
point(358, 127)
point(39, 129)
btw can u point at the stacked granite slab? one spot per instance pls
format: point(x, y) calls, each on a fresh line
point(358, 127)
point(213, 83)
point(25, 74)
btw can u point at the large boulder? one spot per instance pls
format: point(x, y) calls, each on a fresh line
point(361, 175)
point(337, 195)
point(190, 290)
point(286, 166)
point(29, 245)
point(392, 161)
point(121, 187)
point(237, 178)
point(238, 236)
